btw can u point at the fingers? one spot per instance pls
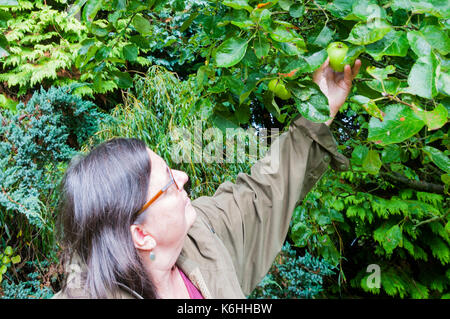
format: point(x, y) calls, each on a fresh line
point(348, 77)
point(355, 69)
point(351, 73)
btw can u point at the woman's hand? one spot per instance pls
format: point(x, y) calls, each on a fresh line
point(335, 85)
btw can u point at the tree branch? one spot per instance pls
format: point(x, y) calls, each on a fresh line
point(397, 178)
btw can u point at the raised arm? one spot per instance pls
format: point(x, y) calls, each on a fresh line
point(252, 216)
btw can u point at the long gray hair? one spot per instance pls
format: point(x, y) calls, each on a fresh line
point(101, 193)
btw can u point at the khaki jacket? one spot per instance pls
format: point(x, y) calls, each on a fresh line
point(240, 229)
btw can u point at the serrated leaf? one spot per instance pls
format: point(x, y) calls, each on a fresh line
point(230, 52)
point(368, 32)
point(437, 157)
point(399, 124)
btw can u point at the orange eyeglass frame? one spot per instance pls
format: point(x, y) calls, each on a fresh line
point(161, 191)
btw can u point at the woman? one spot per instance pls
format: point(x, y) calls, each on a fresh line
point(130, 230)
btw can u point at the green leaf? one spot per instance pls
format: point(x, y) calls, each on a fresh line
point(428, 38)
point(188, 21)
point(437, 157)
point(16, 259)
point(394, 43)
point(422, 77)
point(438, 8)
point(340, 8)
point(238, 4)
point(282, 34)
point(300, 233)
point(261, 46)
point(123, 79)
point(369, 32)
point(391, 85)
point(324, 37)
point(3, 269)
point(8, 251)
point(372, 163)
point(98, 31)
point(365, 10)
point(399, 124)
point(434, 119)
point(296, 10)
point(230, 52)
point(310, 101)
point(369, 105)
point(380, 74)
point(130, 52)
point(90, 9)
point(359, 154)
point(391, 154)
point(285, 4)
point(103, 53)
point(76, 7)
point(142, 25)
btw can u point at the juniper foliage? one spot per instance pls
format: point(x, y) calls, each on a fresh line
point(36, 142)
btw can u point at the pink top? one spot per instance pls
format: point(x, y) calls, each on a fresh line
point(194, 293)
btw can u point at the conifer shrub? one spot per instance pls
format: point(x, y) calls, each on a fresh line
point(36, 143)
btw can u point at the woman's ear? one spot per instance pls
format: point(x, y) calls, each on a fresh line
point(141, 239)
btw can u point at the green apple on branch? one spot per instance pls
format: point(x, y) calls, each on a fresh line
point(278, 88)
point(337, 52)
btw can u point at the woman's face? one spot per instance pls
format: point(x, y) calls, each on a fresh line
point(169, 218)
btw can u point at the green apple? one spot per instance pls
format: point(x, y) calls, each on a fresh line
point(278, 88)
point(337, 52)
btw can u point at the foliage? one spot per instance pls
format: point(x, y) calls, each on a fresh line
point(403, 231)
point(36, 142)
point(39, 45)
point(125, 35)
point(170, 117)
point(32, 288)
point(293, 276)
point(6, 260)
point(390, 209)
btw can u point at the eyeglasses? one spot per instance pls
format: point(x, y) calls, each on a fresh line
point(165, 188)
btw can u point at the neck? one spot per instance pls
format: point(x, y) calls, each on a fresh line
point(165, 274)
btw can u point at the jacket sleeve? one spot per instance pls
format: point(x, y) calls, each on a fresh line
point(252, 215)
